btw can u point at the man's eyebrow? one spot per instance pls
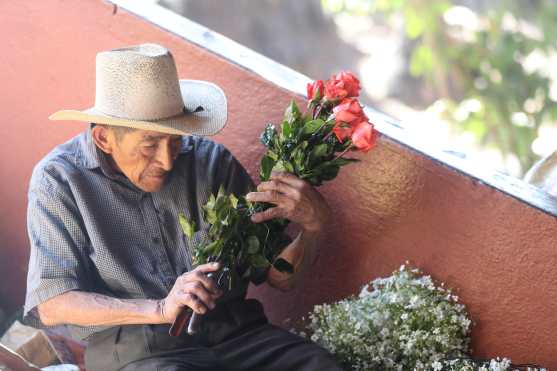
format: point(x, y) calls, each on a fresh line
point(151, 137)
point(154, 137)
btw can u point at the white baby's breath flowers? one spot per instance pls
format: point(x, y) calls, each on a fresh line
point(401, 322)
point(468, 364)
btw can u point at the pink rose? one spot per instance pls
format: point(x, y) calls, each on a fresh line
point(364, 136)
point(343, 131)
point(349, 111)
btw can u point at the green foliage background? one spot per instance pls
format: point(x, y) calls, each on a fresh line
point(485, 65)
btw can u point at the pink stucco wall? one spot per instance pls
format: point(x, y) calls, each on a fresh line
point(395, 205)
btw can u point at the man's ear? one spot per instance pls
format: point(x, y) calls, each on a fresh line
point(103, 138)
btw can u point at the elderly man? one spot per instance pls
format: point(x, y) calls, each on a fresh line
point(107, 255)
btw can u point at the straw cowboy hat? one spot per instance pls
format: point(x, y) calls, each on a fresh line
point(138, 87)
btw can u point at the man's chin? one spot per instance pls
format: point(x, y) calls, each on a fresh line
point(152, 183)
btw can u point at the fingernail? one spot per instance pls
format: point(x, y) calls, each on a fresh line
point(215, 264)
point(248, 196)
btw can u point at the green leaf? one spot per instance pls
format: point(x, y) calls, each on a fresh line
point(233, 201)
point(330, 172)
point(341, 161)
point(279, 166)
point(211, 216)
point(253, 244)
point(187, 227)
point(214, 247)
point(221, 192)
point(286, 129)
point(292, 112)
point(283, 166)
point(267, 164)
point(272, 154)
point(259, 261)
point(319, 150)
point(210, 203)
point(312, 126)
point(283, 266)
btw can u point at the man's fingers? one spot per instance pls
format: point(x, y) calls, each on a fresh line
point(288, 178)
point(272, 196)
point(208, 282)
point(208, 267)
point(199, 291)
point(190, 300)
point(273, 212)
point(277, 185)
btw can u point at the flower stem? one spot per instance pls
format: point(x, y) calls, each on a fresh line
point(328, 135)
point(344, 152)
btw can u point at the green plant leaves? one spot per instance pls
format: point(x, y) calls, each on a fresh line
point(187, 227)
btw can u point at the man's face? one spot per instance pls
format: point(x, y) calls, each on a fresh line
point(144, 157)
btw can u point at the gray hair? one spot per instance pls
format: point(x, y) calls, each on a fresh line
point(119, 131)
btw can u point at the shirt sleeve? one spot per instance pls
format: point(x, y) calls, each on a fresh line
point(58, 245)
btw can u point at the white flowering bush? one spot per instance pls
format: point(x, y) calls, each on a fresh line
point(402, 322)
point(468, 364)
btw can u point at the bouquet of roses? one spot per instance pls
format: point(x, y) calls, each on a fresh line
point(311, 146)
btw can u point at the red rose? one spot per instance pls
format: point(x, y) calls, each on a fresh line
point(315, 90)
point(364, 136)
point(349, 111)
point(342, 85)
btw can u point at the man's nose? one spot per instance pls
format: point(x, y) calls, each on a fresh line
point(165, 157)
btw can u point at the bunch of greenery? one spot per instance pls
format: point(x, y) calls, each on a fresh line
point(401, 322)
point(312, 147)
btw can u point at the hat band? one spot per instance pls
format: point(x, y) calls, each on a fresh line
point(185, 111)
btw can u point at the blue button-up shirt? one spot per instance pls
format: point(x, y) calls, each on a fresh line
point(91, 229)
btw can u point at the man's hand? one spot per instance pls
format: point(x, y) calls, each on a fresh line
point(295, 200)
point(192, 289)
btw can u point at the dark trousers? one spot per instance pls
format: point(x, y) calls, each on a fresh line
point(234, 336)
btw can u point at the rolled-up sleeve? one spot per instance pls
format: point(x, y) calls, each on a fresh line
point(58, 242)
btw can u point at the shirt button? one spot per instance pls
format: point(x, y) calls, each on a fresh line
point(156, 240)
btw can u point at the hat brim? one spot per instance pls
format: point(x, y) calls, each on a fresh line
point(195, 93)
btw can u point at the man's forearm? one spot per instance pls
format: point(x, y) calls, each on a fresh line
point(92, 309)
point(299, 254)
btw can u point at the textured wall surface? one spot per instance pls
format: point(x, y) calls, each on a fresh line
point(395, 205)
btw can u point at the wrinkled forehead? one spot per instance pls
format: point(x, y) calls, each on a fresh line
point(154, 136)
